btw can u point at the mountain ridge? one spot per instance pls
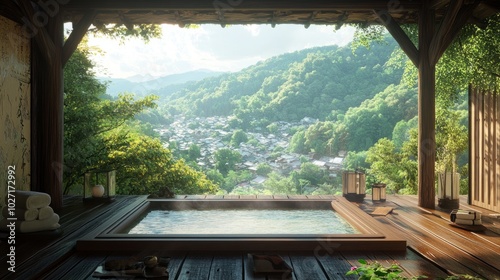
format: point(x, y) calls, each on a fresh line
point(143, 85)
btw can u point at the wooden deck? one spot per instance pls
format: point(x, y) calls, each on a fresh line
point(435, 248)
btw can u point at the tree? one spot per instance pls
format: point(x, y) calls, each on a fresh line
point(451, 140)
point(310, 172)
point(272, 128)
point(238, 137)
point(88, 117)
point(99, 135)
point(297, 144)
point(385, 164)
point(263, 169)
point(318, 136)
point(276, 184)
point(215, 176)
point(194, 152)
point(226, 160)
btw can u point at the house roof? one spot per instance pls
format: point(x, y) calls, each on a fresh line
point(128, 12)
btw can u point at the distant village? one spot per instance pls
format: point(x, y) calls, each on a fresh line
point(209, 134)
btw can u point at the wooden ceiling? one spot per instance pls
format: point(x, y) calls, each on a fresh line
point(333, 12)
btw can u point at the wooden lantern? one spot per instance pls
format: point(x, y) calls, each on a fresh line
point(353, 186)
point(99, 186)
point(378, 192)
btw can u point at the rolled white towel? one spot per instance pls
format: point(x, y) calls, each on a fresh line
point(31, 200)
point(45, 213)
point(20, 214)
point(32, 226)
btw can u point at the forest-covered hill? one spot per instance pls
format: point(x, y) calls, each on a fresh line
point(321, 83)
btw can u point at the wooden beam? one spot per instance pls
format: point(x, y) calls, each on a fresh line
point(456, 17)
point(38, 32)
point(342, 19)
point(462, 17)
point(127, 22)
point(426, 111)
point(76, 35)
point(220, 18)
point(312, 5)
point(47, 117)
point(311, 19)
point(399, 35)
point(444, 28)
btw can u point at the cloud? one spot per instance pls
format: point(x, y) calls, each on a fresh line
point(209, 47)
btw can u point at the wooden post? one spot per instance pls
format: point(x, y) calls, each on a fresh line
point(47, 115)
point(426, 111)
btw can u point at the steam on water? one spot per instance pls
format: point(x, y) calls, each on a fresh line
point(242, 222)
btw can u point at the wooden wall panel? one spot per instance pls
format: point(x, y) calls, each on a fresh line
point(15, 108)
point(484, 149)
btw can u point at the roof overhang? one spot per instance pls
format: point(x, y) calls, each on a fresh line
point(334, 12)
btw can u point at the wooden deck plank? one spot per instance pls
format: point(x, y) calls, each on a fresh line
point(439, 252)
point(307, 267)
point(175, 265)
point(334, 265)
point(195, 267)
point(248, 273)
point(416, 265)
point(52, 251)
point(77, 267)
point(227, 267)
point(280, 197)
point(264, 196)
point(286, 275)
point(231, 196)
point(467, 240)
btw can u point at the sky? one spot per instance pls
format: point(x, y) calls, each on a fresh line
point(211, 47)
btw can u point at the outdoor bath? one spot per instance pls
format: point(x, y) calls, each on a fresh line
point(243, 225)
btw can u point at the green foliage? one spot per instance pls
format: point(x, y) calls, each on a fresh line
point(317, 137)
point(194, 152)
point(100, 133)
point(473, 58)
point(311, 173)
point(238, 137)
point(376, 271)
point(277, 184)
point(451, 139)
point(327, 79)
point(298, 143)
point(263, 169)
point(233, 178)
point(226, 160)
point(121, 32)
point(215, 176)
point(397, 169)
point(272, 128)
point(375, 118)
